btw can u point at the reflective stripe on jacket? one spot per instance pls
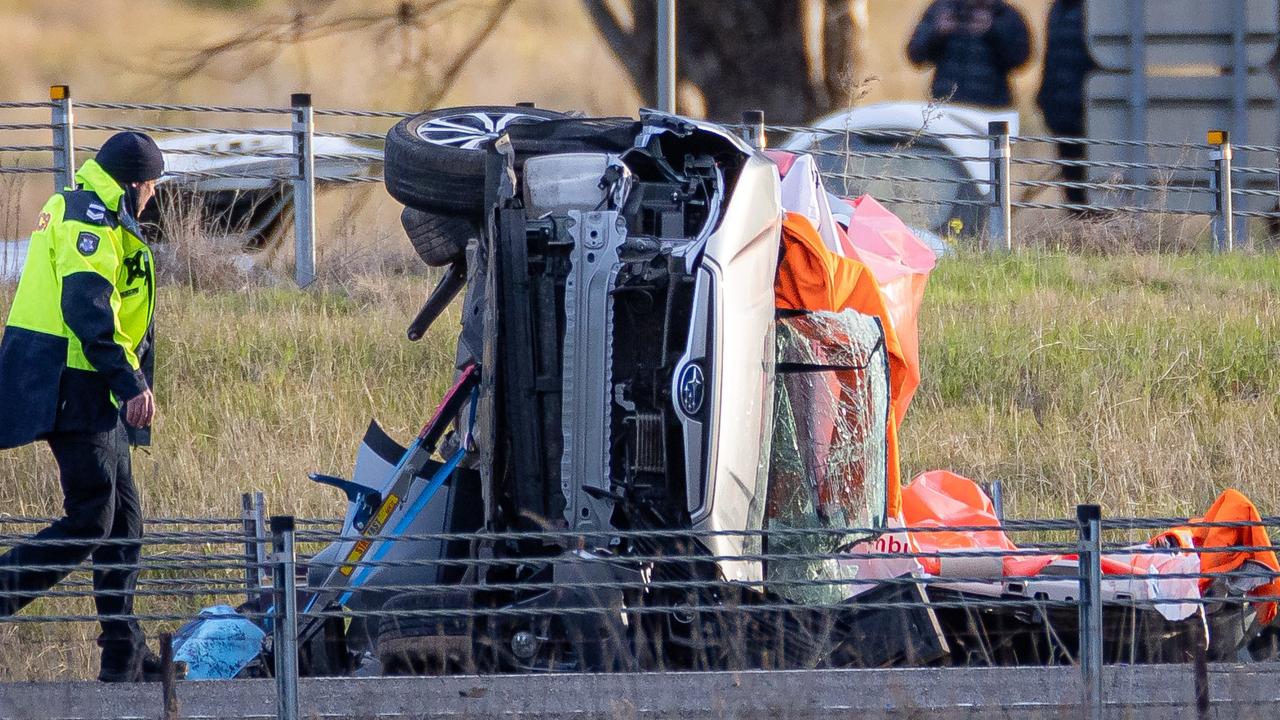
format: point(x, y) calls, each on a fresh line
point(78, 339)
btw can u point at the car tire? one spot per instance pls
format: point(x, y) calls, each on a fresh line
point(439, 239)
point(435, 161)
point(414, 640)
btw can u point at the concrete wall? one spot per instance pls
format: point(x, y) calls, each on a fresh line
point(1241, 692)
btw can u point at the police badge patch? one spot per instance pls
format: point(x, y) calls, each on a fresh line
point(87, 243)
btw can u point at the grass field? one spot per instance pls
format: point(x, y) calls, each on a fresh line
point(1146, 383)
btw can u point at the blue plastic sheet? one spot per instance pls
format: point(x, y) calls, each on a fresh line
point(217, 644)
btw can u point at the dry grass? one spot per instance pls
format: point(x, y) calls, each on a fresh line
point(258, 384)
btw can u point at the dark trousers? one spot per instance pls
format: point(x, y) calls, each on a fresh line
point(100, 502)
point(1074, 151)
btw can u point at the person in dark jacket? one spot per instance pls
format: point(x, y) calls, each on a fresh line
point(75, 368)
point(1067, 64)
point(973, 45)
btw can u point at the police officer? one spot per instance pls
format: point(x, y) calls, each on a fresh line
point(75, 369)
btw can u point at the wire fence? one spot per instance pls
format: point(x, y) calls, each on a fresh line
point(323, 598)
point(1054, 591)
point(216, 155)
point(963, 188)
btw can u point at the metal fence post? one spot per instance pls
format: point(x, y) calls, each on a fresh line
point(285, 616)
point(997, 499)
point(254, 518)
point(667, 55)
point(1090, 650)
point(168, 680)
point(999, 226)
point(1220, 181)
point(753, 128)
point(64, 145)
point(304, 189)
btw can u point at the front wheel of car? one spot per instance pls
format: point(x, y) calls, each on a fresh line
point(435, 161)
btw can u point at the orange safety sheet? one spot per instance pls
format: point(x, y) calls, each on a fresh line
point(1231, 506)
point(901, 264)
point(940, 498)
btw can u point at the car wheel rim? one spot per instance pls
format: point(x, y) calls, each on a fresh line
point(470, 131)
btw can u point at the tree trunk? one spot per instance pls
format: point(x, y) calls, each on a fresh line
point(740, 54)
point(746, 55)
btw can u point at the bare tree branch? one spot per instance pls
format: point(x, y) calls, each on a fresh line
point(739, 54)
point(621, 41)
point(312, 21)
point(450, 75)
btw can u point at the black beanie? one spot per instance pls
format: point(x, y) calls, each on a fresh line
point(131, 157)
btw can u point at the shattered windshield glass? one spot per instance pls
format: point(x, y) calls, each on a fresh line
point(829, 451)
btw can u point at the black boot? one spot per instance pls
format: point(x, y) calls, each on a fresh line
point(121, 662)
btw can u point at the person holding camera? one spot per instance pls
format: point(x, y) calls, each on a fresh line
point(973, 46)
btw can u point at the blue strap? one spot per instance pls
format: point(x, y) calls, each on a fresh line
point(384, 546)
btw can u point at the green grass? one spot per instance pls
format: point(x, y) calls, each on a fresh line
point(1146, 383)
point(258, 387)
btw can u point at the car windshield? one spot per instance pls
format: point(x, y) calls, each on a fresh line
point(828, 461)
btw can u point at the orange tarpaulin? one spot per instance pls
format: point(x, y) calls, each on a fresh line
point(1231, 506)
point(939, 499)
point(944, 499)
point(811, 277)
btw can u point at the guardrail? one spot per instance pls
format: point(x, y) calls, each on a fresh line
point(1070, 592)
point(937, 190)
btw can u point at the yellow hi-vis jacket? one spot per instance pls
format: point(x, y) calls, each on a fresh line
point(79, 336)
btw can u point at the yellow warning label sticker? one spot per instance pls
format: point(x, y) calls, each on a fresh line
point(354, 556)
point(384, 512)
point(375, 526)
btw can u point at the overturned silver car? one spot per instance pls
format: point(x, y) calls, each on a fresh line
point(631, 414)
point(648, 460)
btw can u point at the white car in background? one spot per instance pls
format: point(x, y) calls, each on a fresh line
point(236, 184)
point(240, 184)
point(873, 148)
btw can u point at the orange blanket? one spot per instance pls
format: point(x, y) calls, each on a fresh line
point(1231, 506)
point(943, 499)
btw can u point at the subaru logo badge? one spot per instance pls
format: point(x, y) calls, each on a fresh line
point(692, 389)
